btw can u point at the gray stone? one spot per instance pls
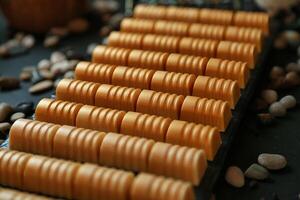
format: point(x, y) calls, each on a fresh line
point(257, 172)
point(235, 177)
point(69, 75)
point(288, 101)
point(277, 109)
point(90, 48)
point(57, 57)
point(18, 115)
point(272, 161)
point(5, 110)
point(41, 87)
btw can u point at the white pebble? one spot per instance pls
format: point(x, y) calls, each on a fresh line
point(288, 101)
point(277, 109)
point(28, 41)
point(270, 96)
point(272, 161)
point(57, 57)
point(44, 64)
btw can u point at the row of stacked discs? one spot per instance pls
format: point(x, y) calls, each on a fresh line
point(141, 120)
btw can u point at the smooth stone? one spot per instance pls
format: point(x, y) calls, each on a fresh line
point(4, 52)
point(69, 75)
point(25, 76)
point(4, 127)
point(235, 177)
point(51, 41)
point(277, 109)
point(276, 72)
point(78, 25)
point(25, 107)
point(257, 172)
point(90, 48)
point(28, 41)
point(106, 6)
point(57, 57)
point(272, 161)
point(41, 87)
point(292, 67)
point(36, 77)
point(270, 96)
point(19, 36)
point(9, 83)
point(288, 101)
point(291, 36)
point(44, 64)
point(46, 74)
point(292, 79)
point(5, 110)
point(18, 115)
point(62, 67)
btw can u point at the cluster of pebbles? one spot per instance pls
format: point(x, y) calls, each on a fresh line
point(9, 114)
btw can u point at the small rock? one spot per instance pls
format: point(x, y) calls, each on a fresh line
point(257, 172)
point(57, 57)
point(69, 75)
point(51, 41)
point(78, 25)
point(25, 107)
point(25, 76)
point(235, 177)
point(5, 110)
point(59, 31)
point(46, 74)
point(277, 109)
point(292, 67)
point(90, 48)
point(62, 67)
point(4, 52)
point(41, 87)
point(276, 72)
point(265, 118)
point(9, 83)
point(270, 96)
point(71, 55)
point(104, 31)
point(36, 77)
point(272, 161)
point(288, 101)
point(44, 64)
point(292, 79)
point(278, 83)
point(4, 127)
point(18, 115)
point(28, 41)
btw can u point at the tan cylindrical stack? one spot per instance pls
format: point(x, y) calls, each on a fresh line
point(252, 19)
point(149, 187)
point(77, 91)
point(227, 69)
point(56, 111)
point(132, 77)
point(117, 97)
point(144, 125)
point(10, 194)
point(175, 13)
point(101, 119)
point(147, 59)
point(215, 16)
point(187, 164)
point(98, 73)
point(149, 11)
point(163, 43)
point(126, 152)
point(25, 135)
point(77, 144)
point(194, 135)
point(198, 47)
point(237, 51)
point(172, 82)
point(128, 40)
point(206, 111)
point(214, 88)
point(208, 31)
point(158, 103)
point(186, 64)
point(134, 25)
point(110, 55)
point(175, 28)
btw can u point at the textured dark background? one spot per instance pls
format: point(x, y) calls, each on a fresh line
point(283, 137)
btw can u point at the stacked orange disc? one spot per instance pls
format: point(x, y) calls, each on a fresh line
point(110, 55)
point(9, 194)
point(175, 13)
point(175, 28)
point(162, 43)
point(56, 111)
point(214, 16)
point(128, 40)
point(149, 12)
point(198, 47)
point(137, 25)
point(208, 31)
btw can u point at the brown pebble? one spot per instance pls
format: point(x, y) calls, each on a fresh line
point(41, 87)
point(292, 67)
point(276, 72)
point(4, 127)
point(46, 74)
point(59, 31)
point(9, 83)
point(280, 43)
point(269, 96)
point(292, 79)
point(18, 115)
point(5, 110)
point(4, 52)
point(78, 25)
point(235, 177)
point(25, 76)
point(51, 41)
